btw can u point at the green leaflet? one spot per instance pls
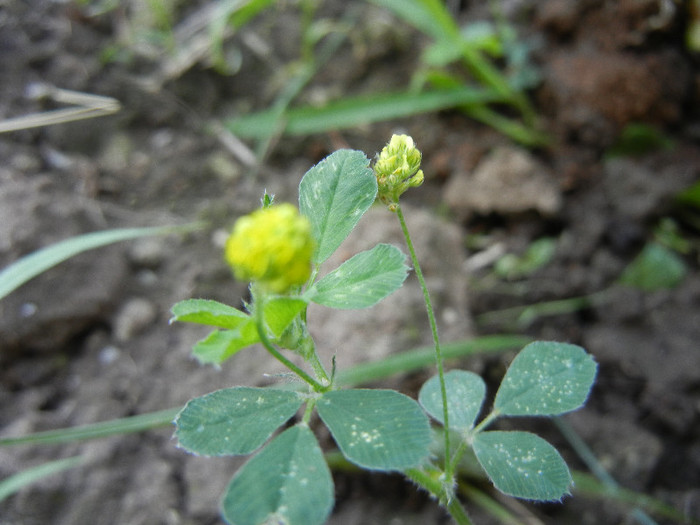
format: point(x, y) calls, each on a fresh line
point(241, 330)
point(523, 465)
point(281, 311)
point(234, 421)
point(545, 379)
point(208, 312)
point(363, 280)
point(219, 345)
point(376, 429)
point(465, 395)
point(288, 482)
point(334, 195)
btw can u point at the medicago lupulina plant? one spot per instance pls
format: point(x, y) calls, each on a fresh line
point(279, 249)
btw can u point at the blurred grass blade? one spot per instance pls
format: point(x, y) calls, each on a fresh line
point(357, 111)
point(522, 133)
point(225, 15)
point(423, 357)
point(429, 16)
point(586, 484)
point(489, 505)
point(84, 105)
point(41, 260)
point(605, 485)
point(113, 427)
point(22, 479)
point(432, 18)
point(357, 375)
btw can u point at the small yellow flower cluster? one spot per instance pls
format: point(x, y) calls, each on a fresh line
point(397, 169)
point(272, 246)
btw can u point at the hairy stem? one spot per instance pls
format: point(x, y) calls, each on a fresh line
point(313, 359)
point(259, 305)
point(436, 486)
point(449, 472)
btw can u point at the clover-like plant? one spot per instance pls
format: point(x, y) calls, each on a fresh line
point(279, 250)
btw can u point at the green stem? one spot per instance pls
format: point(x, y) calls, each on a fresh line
point(461, 449)
point(309, 411)
point(259, 304)
point(433, 328)
point(436, 487)
point(485, 422)
point(456, 510)
point(467, 441)
point(313, 359)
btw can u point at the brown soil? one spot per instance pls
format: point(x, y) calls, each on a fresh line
point(89, 340)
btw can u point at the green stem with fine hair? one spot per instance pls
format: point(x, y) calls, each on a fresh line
point(449, 470)
point(259, 304)
point(433, 484)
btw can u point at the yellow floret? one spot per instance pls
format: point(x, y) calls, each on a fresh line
point(398, 168)
point(272, 246)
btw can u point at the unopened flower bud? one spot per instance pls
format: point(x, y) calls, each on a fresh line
point(397, 169)
point(272, 246)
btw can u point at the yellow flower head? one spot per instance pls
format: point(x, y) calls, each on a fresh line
point(398, 168)
point(272, 246)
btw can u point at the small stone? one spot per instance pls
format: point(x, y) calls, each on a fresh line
point(133, 317)
point(223, 167)
point(108, 355)
point(509, 180)
point(147, 252)
point(25, 163)
point(116, 154)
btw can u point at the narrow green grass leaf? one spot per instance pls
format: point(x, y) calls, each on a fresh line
point(545, 379)
point(587, 485)
point(208, 312)
point(522, 465)
point(333, 195)
point(376, 429)
point(287, 482)
point(126, 425)
point(488, 503)
point(465, 395)
point(429, 16)
point(28, 267)
point(230, 13)
point(233, 421)
point(357, 111)
point(403, 362)
point(418, 358)
point(18, 481)
point(363, 280)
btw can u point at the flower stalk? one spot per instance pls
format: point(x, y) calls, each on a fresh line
point(397, 169)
